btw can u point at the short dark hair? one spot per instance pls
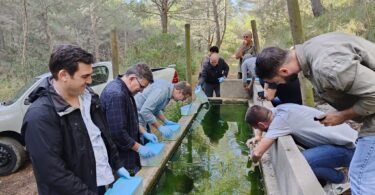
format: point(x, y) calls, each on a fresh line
point(67, 57)
point(268, 61)
point(141, 71)
point(214, 49)
point(185, 87)
point(256, 114)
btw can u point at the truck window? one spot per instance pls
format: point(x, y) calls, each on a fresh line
point(99, 75)
point(20, 92)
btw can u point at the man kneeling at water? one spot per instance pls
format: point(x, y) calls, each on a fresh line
point(327, 147)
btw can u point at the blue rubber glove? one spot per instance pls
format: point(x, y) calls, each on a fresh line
point(165, 131)
point(221, 79)
point(145, 152)
point(198, 88)
point(168, 122)
point(122, 172)
point(150, 137)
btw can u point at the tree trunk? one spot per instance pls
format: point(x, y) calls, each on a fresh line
point(255, 36)
point(164, 16)
point(25, 38)
point(94, 22)
point(47, 30)
point(317, 8)
point(188, 53)
point(163, 7)
point(298, 38)
point(217, 24)
point(209, 41)
point(224, 22)
point(115, 54)
point(2, 40)
point(126, 34)
point(164, 22)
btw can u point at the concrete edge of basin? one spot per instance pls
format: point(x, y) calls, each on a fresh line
point(151, 174)
point(223, 100)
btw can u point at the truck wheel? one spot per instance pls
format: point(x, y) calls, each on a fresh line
point(12, 155)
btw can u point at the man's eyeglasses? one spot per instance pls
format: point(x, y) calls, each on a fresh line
point(142, 86)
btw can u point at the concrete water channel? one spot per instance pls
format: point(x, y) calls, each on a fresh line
point(210, 157)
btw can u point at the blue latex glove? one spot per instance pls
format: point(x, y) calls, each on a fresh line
point(221, 79)
point(150, 137)
point(145, 152)
point(198, 88)
point(122, 172)
point(165, 131)
point(168, 122)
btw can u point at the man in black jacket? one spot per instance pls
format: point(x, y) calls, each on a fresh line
point(213, 74)
point(65, 132)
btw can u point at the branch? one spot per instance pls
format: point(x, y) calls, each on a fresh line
point(156, 2)
point(180, 10)
point(141, 10)
point(225, 22)
point(171, 4)
point(185, 18)
point(147, 12)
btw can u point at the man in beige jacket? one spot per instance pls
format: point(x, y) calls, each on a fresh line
point(341, 69)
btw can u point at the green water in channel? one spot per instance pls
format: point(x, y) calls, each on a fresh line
point(212, 158)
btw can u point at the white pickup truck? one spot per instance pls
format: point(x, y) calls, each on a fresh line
point(12, 152)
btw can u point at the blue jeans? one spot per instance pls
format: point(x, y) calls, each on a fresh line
point(362, 168)
point(325, 158)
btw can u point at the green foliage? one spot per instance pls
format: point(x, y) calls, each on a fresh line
point(160, 50)
point(233, 37)
point(355, 17)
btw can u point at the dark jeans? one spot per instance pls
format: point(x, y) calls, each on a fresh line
point(134, 170)
point(210, 88)
point(239, 75)
point(101, 190)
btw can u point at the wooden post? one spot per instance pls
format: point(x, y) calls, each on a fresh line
point(298, 38)
point(115, 56)
point(188, 53)
point(255, 36)
point(190, 148)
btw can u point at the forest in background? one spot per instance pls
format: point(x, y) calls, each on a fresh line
point(152, 31)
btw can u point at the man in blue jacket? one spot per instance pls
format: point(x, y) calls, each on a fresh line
point(65, 133)
point(155, 98)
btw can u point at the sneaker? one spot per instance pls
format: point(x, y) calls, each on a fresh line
point(341, 188)
point(335, 189)
point(328, 189)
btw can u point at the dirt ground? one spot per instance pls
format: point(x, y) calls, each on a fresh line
point(21, 182)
